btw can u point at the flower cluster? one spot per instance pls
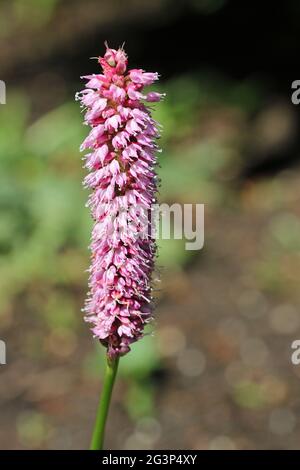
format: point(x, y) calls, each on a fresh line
point(121, 162)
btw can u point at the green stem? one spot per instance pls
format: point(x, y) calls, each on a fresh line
point(103, 407)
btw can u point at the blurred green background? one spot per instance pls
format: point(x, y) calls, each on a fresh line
point(214, 372)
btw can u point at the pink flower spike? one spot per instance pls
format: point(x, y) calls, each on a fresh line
point(121, 163)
